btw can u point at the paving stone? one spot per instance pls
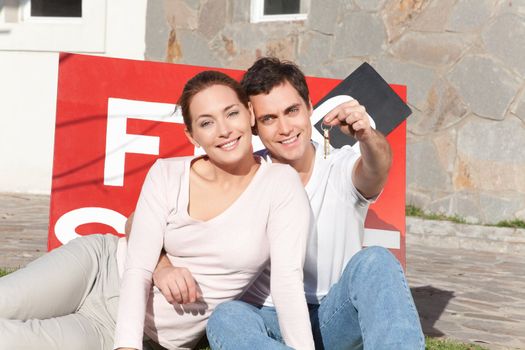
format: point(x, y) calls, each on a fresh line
point(434, 49)
point(419, 80)
point(322, 16)
point(460, 293)
point(502, 39)
point(359, 34)
point(486, 87)
point(469, 15)
point(212, 18)
point(430, 176)
point(434, 17)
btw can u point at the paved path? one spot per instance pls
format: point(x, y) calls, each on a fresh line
point(461, 294)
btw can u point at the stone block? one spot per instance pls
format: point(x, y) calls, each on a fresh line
point(433, 49)
point(283, 48)
point(399, 15)
point(157, 32)
point(322, 16)
point(515, 7)
point(520, 107)
point(359, 34)
point(419, 80)
point(496, 208)
point(314, 49)
point(340, 69)
point(370, 5)
point(195, 50)
point(180, 15)
point(469, 15)
point(241, 11)
point(495, 141)
point(417, 198)
point(212, 18)
point(424, 170)
point(194, 4)
point(444, 109)
point(445, 143)
point(487, 88)
point(433, 17)
point(505, 39)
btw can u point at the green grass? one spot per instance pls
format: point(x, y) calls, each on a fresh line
point(446, 344)
point(511, 223)
point(411, 210)
point(4, 271)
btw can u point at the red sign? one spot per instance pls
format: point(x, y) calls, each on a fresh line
point(115, 117)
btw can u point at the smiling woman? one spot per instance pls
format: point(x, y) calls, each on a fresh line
point(220, 219)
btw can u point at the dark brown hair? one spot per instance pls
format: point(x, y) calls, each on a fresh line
point(269, 72)
point(202, 81)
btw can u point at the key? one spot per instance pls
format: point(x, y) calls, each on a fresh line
point(326, 135)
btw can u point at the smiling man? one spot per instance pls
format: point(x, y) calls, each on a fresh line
point(357, 297)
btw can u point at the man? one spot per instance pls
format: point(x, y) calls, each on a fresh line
point(357, 297)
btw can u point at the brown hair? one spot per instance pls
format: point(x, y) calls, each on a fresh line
point(269, 72)
point(202, 81)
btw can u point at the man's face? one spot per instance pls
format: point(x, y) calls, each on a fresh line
point(283, 123)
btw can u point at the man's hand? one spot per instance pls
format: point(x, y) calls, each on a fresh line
point(352, 119)
point(176, 283)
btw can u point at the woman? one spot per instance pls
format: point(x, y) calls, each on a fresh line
point(221, 216)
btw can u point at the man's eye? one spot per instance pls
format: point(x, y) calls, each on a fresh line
point(294, 110)
point(266, 119)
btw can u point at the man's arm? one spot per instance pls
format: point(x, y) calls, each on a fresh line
point(175, 283)
point(371, 170)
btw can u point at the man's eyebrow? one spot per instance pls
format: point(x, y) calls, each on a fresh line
point(289, 109)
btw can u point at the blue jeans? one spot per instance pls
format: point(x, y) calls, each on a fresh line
point(370, 307)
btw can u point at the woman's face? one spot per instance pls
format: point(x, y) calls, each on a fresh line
point(221, 124)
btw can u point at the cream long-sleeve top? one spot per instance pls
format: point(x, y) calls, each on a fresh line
point(268, 221)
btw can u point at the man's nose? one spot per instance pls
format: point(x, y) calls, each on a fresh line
point(285, 126)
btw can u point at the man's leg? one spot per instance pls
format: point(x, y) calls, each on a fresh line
point(239, 325)
point(370, 306)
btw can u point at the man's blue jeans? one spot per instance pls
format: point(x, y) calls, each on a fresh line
point(370, 307)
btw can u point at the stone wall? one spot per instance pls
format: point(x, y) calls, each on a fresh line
point(463, 62)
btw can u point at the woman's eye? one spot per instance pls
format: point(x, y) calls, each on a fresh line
point(205, 124)
point(233, 114)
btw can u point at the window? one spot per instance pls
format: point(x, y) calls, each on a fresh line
point(53, 25)
point(278, 10)
point(54, 8)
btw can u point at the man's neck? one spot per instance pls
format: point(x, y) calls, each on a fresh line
point(304, 166)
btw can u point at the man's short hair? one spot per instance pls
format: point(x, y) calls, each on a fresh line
point(269, 72)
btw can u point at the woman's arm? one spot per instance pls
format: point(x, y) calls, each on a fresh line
point(144, 246)
point(288, 228)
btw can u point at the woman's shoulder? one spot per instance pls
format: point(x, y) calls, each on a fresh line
point(281, 174)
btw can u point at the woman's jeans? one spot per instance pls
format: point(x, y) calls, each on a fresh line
point(370, 307)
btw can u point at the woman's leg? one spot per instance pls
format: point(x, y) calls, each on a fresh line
point(74, 287)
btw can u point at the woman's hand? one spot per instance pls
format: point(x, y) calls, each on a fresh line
point(176, 284)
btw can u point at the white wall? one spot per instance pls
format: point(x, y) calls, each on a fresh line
point(28, 99)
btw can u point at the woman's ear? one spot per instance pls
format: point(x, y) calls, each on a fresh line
point(190, 138)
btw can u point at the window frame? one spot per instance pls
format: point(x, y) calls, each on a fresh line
point(73, 34)
point(257, 14)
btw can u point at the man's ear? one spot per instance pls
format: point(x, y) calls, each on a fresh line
point(253, 123)
point(190, 138)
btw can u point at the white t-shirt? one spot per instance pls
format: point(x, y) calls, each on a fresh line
point(339, 212)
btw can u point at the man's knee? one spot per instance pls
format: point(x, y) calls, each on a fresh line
point(372, 261)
